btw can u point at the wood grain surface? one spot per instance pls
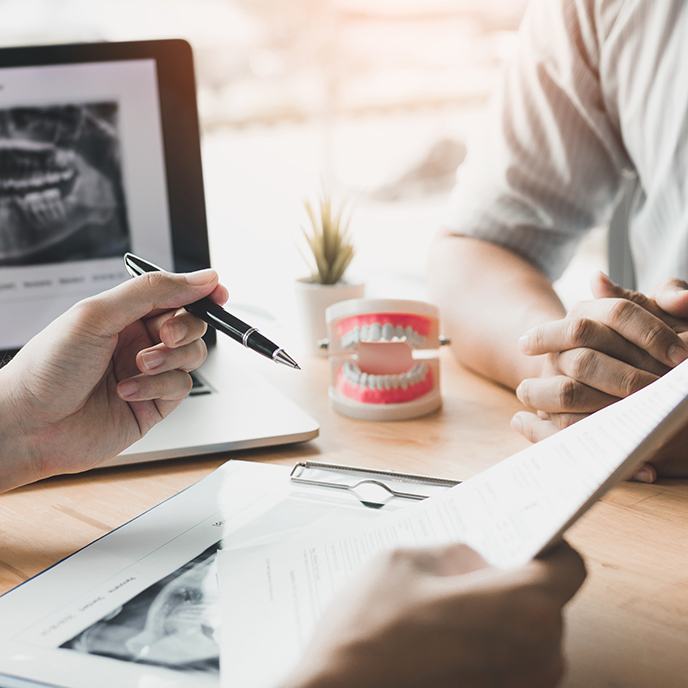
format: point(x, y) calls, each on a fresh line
point(627, 628)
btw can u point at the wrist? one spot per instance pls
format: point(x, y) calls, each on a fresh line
point(18, 463)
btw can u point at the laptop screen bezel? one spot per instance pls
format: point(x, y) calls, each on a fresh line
point(180, 132)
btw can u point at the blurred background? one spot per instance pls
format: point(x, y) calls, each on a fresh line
point(373, 100)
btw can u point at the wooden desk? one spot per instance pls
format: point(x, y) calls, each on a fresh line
point(628, 627)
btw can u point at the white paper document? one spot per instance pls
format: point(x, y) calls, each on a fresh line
point(509, 513)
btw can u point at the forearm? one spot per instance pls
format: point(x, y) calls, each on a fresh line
point(489, 297)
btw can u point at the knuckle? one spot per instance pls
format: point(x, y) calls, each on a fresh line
point(155, 281)
point(632, 381)
point(536, 339)
point(620, 311)
point(86, 311)
point(568, 393)
point(652, 336)
point(582, 363)
point(580, 331)
point(563, 420)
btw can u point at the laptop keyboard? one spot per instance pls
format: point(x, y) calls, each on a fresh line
point(198, 388)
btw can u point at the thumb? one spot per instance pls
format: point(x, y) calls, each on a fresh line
point(603, 288)
point(446, 560)
point(561, 570)
point(672, 297)
point(108, 313)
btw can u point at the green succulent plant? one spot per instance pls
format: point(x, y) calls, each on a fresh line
point(329, 240)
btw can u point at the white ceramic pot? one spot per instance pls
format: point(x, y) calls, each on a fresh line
point(313, 300)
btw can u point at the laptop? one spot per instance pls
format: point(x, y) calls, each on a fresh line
point(99, 155)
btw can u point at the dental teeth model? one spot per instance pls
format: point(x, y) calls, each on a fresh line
point(383, 358)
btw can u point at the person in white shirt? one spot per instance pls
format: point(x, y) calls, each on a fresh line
point(591, 109)
point(106, 371)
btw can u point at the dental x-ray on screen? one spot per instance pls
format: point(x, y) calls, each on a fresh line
point(61, 191)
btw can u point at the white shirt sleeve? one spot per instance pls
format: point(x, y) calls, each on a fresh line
point(548, 166)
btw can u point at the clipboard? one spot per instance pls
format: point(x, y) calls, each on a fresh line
point(373, 488)
point(131, 567)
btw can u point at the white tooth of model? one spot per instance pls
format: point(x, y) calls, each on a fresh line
point(355, 335)
point(387, 332)
point(363, 380)
point(364, 333)
point(400, 332)
point(375, 332)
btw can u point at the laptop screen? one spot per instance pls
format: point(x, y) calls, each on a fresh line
point(82, 180)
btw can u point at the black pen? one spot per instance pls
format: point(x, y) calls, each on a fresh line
point(220, 319)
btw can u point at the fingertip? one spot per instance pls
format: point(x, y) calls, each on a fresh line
point(674, 300)
point(128, 389)
point(220, 295)
point(565, 564)
point(524, 343)
point(517, 422)
point(521, 392)
point(647, 474)
point(602, 285)
point(202, 278)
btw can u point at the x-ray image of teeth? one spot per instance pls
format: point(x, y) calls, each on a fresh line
point(61, 190)
point(172, 623)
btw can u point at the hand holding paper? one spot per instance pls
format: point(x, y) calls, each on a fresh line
point(422, 617)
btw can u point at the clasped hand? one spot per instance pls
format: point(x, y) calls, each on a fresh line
point(602, 351)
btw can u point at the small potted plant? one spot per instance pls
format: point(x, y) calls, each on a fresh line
point(331, 252)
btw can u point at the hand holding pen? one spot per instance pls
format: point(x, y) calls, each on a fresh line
point(218, 318)
point(101, 375)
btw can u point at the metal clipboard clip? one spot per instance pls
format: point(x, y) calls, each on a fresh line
point(372, 488)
